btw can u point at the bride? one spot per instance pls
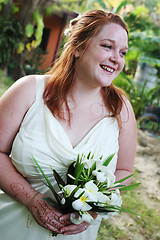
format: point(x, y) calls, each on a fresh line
point(74, 108)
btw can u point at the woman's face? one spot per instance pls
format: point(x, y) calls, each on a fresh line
point(103, 60)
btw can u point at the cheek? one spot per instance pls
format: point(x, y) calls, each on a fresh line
point(121, 65)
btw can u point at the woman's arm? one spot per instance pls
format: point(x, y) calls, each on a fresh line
point(13, 106)
point(127, 143)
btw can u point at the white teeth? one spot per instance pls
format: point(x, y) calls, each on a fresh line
point(107, 68)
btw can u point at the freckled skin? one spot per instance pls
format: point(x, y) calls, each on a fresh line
point(107, 48)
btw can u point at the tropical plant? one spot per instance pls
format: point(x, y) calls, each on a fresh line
point(11, 34)
point(21, 30)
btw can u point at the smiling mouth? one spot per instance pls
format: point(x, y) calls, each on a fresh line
point(108, 69)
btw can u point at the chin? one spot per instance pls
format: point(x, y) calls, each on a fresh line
point(106, 84)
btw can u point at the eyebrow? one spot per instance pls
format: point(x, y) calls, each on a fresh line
point(111, 40)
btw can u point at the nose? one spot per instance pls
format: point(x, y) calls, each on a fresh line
point(114, 57)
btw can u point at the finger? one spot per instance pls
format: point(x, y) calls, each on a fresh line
point(53, 221)
point(74, 229)
point(65, 219)
point(52, 228)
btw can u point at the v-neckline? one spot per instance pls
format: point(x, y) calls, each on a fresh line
point(85, 136)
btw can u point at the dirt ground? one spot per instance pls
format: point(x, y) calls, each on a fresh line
point(147, 163)
point(147, 166)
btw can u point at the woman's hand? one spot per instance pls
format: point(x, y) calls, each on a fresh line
point(44, 214)
point(71, 228)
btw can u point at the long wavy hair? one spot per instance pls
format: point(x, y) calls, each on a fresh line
point(83, 29)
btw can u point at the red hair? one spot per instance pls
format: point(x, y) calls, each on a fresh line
point(62, 73)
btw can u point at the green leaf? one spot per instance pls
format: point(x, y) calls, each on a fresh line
point(78, 169)
point(92, 168)
point(122, 4)
point(130, 187)
point(107, 161)
point(150, 60)
point(88, 155)
point(123, 179)
point(48, 182)
point(29, 30)
point(58, 178)
point(4, 1)
point(69, 200)
point(65, 192)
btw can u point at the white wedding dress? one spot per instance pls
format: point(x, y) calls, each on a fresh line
point(41, 136)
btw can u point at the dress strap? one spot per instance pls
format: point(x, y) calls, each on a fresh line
point(39, 86)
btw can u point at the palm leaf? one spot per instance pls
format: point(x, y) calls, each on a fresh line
point(107, 161)
point(58, 178)
point(123, 179)
point(130, 187)
point(48, 182)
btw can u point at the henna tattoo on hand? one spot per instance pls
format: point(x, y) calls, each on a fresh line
point(18, 191)
point(46, 215)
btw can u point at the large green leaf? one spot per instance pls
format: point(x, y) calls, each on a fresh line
point(150, 60)
point(29, 30)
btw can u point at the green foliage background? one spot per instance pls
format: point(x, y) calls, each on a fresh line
point(143, 19)
point(19, 37)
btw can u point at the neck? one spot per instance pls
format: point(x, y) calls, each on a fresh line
point(83, 93)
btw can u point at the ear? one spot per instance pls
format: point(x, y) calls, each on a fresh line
point(77, 53)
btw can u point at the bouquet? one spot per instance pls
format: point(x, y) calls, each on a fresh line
point(90, 186)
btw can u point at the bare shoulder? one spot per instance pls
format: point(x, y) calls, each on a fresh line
point(23, 89)
point(127, 113)
point(14, 104)
point(128, 131)
point(22, 92)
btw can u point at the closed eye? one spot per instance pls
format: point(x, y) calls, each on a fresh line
point(106, 46)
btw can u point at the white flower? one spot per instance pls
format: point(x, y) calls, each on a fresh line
point(100, 175)
point(74, 219)
point(69, 188)
point(91, 190)
point(103, 198)
point(67, 31)
point(85, 217)
point(104, 174)
point(81, 203)
point(116, 198)
point(89, 162)
point(107, 215)
point(63, 200)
